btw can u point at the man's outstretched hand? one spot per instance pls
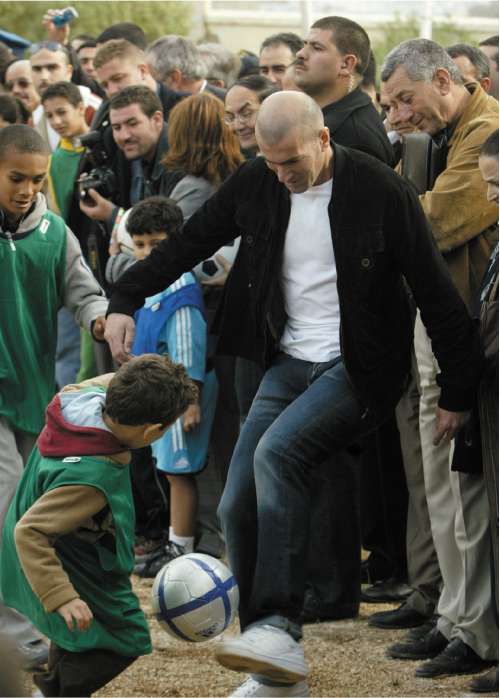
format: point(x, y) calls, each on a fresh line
point(119, 334)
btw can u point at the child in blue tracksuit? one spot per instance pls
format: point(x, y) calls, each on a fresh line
point(172, 322)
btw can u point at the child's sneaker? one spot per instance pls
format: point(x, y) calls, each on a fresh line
point(252, 688)
point(149, 546)
point(151, 565)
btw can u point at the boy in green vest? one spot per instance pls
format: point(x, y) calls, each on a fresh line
point(42, 269)
point(67, 550)
point(65, 112)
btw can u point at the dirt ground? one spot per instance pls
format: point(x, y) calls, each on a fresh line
point(347, 658)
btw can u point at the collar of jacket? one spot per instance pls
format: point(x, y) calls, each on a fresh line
point(479, 103)
point(338, 112)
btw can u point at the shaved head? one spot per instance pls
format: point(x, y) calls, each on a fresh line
point(294, 141)
point(284, 111)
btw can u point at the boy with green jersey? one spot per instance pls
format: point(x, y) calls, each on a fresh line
point(67, 549)
point(63, 106)
point(42, 270)
point(65, 112)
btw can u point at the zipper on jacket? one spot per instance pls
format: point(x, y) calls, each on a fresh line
point(11, 240)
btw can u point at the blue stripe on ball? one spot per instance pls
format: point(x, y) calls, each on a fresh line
point(219, 592)
point(165, 614)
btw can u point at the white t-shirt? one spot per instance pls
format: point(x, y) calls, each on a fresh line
point(309, 279)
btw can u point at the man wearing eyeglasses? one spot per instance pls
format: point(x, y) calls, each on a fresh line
point(19, 83)
point(50, 63)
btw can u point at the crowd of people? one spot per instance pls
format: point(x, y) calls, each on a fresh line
point(250, 308)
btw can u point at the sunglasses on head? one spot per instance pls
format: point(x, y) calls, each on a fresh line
point(49, 45)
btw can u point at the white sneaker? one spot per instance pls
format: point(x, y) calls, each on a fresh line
point(264, 650)
point(252, 688)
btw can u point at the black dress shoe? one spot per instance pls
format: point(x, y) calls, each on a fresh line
point(402, 617)
point(421, 630)
point(425, 647)
point(486, 683)
point(342, 612)
point(457, 658)
point(389, 590)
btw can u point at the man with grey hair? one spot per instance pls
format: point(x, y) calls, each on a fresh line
point(222, 65)
point(176, 62)
point(422, 86)
point(325, 310)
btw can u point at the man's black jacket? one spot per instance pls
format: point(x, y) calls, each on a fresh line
point(354, 122)
point(379, 235)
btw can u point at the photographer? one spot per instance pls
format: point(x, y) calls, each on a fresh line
point(140, 133)
point(119, 64)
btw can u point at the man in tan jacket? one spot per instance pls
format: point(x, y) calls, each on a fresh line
point(422, 86)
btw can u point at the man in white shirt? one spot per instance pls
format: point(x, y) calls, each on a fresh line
point(328, 233)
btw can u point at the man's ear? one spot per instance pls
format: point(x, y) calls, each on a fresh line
point(69, 69)
point(158, 119)
point(324, 136)
point(442, 81)
point(144, 70)
point(485, 84)
point(174, 79)
point(348, 65)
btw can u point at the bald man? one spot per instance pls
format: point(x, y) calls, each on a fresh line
point(327, 235)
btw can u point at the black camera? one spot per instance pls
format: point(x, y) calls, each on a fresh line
point(101, 177)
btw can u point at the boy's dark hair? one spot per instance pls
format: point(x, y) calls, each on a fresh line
point(149, 389)
point(475, 56)
point(9, 109)
point(294, 42)
point(137, 94)
point(262, 86)
point(124, 30)
point(66, 90)
point(156, 214)
point(489, 149)
point(348, 37)
point(22, 139)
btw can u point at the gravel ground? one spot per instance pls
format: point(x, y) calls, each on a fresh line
point(347, 658)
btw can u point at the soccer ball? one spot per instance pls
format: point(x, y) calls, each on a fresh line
point(210, 268)
point(195, 597)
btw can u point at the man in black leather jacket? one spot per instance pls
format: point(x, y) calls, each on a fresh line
point(372, 234)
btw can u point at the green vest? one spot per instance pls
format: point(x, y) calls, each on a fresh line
point(63, 171)
point(31, 292)
point(100, 572)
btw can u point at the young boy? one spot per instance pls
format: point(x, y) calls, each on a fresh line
point(67, 550)
point(42, 270)
point(64, 109)
point(65, 112)
point(173, 323)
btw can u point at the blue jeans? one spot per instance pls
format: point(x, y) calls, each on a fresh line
point(68, 348)
point(303, 413)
